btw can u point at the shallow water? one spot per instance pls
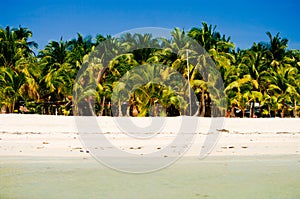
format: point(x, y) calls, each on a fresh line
point(212, 177)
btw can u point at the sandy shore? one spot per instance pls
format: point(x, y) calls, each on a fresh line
point(45, 157)
point(58, 136)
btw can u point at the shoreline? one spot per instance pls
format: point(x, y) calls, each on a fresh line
point(213, 177)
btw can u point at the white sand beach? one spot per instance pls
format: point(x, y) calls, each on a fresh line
point(57, 136)
point(44, 157)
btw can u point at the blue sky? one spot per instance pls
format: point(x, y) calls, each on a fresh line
point(245, 21)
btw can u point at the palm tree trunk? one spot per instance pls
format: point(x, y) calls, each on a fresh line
point(9, 109)
point(232, 113)
point(135, 111)
point(13, 106)
point(76, 110)
point(282, 112)
point(202, 114)
point(295, 108)
point(252, 109)
point(128, 110)
point(275, 112)
point(120, 109)
point(100, 74)
point(91, 107)
point(198, 110)
point(102, 106)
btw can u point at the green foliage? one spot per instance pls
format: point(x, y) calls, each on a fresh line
point(267, 73)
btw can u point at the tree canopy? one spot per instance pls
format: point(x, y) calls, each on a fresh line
point(262, 81)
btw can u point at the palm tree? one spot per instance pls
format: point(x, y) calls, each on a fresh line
point(284, 85)
point(24, 34)
point(149, 86)
point(174, 54)
point(12, 87)
point(104, 53)
point(16, 61)
point(294, 56)
point(14, 45)
point(283, 71)
point(78, 48)
point(30, 68)
point(241, 93)
point(252, 63)
point(58, 75)
point(276, 49)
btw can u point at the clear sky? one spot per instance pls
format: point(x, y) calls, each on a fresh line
point(245, 21)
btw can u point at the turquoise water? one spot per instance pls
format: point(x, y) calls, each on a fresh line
point(213, 177)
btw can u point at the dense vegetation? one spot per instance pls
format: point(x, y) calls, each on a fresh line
point(267, 74)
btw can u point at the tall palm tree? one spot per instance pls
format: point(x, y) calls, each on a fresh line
point(58, 75)
point(32, 71)
point(219, 50)
point(12, 87)
point(79, 47)
point(276, 48)
point(252, 63)
point(14, 45)
point(209, 38)
point(284, 85)
point(294, 59)
point(15, 51)
point(104, 53)
point(142, 46)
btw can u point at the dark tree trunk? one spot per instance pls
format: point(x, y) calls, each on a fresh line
point(295, 108)
point(101, 73)
point(252, 109)
point(202, 114)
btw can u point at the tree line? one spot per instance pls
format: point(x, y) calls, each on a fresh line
point(260, 81)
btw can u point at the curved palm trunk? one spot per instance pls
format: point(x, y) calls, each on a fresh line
point(198, 110)
point(128, 110)
point(91, 107)
point(100, 74)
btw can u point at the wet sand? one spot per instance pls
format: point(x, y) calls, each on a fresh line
point(225, 177)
